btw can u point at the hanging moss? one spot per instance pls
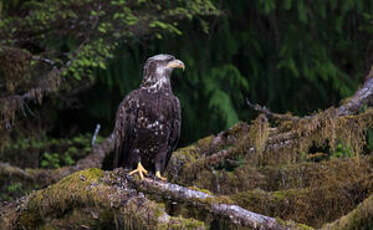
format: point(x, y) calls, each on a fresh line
point(312, 205)
point(259, 135)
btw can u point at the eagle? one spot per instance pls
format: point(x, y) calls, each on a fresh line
point(148, 120)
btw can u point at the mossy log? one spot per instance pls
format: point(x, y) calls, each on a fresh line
point(311, 205)
point(359, 219)
point(90, 199)
point(217, 206)
point(292, 176)
point(96, 199)
point(279, 148)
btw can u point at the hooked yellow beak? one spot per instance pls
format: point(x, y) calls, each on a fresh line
point(176, 64)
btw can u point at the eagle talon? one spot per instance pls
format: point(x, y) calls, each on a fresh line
point(140, 170)
point(158, 175)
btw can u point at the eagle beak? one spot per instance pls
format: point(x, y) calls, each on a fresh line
point(176, 64)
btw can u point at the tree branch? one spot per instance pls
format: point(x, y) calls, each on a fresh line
point(359, 218)
point(266, 111)
point(363, 96)
point(90, 199)
point(236, 214)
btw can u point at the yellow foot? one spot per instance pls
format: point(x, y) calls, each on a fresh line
point(140, 170)
point(158, 174)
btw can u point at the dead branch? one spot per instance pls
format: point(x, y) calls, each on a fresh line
point(266, 111)
point(235, 213)
point(363, 96)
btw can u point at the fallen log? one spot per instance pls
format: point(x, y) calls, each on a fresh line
point(90, 199)
point(94, 198)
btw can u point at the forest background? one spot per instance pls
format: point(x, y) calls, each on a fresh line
point(291, 56)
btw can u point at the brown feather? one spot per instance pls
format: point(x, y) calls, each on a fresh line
point(148, 121)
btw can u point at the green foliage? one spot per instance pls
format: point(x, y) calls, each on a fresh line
point(14, 188)
point(370, 140)
point(53, 152)
point(50, 160)
point(10, 191)
point(68, 159)
point(288, 55)
point(218, 87)
point(82, 35)
point(342, 151)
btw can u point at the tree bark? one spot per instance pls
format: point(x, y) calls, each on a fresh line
point(234, 213)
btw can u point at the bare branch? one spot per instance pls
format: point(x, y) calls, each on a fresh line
point(266, 111)
point(234, 213)
point(364, 96)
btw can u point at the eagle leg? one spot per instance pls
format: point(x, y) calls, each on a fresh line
point(140, 170)
point(158, 175)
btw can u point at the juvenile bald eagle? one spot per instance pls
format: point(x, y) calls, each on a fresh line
point(147, 127)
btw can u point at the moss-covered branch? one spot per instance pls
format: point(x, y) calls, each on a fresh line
point(359, 218)
point(94, 199)
point(261, 145)
point(213, 204)
point(364, 96)
point(90, 199)
point(311, 205)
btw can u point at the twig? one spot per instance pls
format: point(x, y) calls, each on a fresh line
point(45, 60)
point(268, 112)
point(98, 126)
point(362, 97)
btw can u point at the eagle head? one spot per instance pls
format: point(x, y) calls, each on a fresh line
point(158, 69)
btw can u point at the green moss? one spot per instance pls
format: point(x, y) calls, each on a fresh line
point(360, 218)
point(219, 200)
point(60, 197)
point(179, 223)
point(312, 205)
point(47, 227)
point(205, 142)
point(201, 190)
point(292, 225)
point(186, 154)
point(30, 220)
point(159, 211)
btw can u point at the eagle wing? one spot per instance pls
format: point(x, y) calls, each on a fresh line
point(175, 129)
point(123, 131)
